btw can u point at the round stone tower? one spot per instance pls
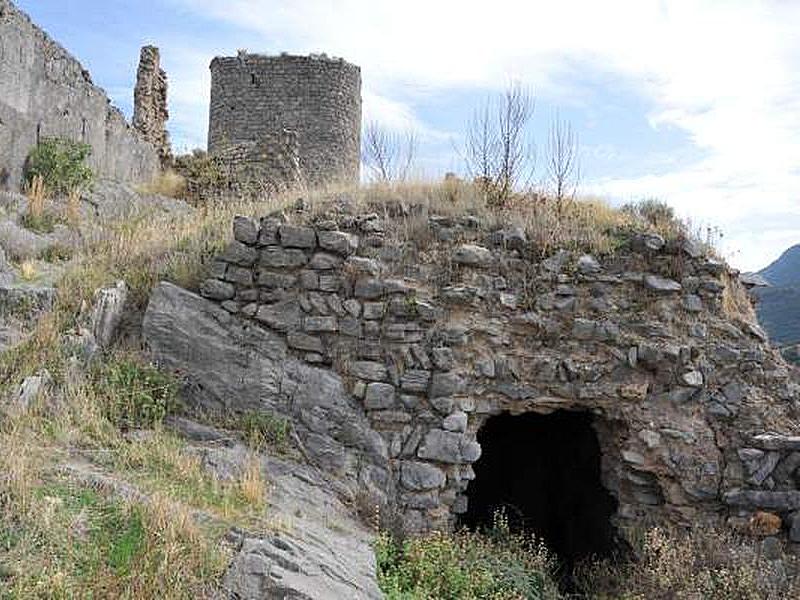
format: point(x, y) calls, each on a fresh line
point(257, 98)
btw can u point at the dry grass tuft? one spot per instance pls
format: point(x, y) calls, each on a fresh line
point(36, 193)
point(168, 183)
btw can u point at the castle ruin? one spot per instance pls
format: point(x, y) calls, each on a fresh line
point(150, 112)
point(45, 92)
point(286, 119)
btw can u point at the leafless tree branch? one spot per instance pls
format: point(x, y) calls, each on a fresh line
point(388, 155)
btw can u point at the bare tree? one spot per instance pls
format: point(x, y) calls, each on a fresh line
point(499, 150)
point(388, 155)
point(563, 167)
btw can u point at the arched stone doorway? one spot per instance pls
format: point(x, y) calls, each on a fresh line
point(544, 472)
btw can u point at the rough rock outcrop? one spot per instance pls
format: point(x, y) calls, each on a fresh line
point(234, 366)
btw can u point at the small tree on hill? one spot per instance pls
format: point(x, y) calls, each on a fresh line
point(499, 151)
point(388, 155)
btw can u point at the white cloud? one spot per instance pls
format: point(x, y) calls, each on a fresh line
point(725, 73)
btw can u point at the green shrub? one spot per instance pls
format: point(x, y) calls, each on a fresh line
point(61, 163)
point(139, 395)
point(497, 565)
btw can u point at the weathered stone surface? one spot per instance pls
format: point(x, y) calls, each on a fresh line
point(587, 264)
point(214, 289)
point(379, 396)
point(421, 476)
point(456, 422)
point(415, 380)
point(320, 324)
point(281, 316)
point(109, 305)
point(472, 255)
point(338, 242)
point(231, 366)
point(292, 236)
point(446, 384)
point(322, 261)
point(282, 258)
point(238, 254)
point(311, 560)
point(757, 499)
point(661, 285)
point(449, 447)
point(306, 342)
point(371, 371)
point(245, 230)
point(369, 289)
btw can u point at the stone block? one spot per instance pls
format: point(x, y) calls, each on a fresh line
point(320, 324)
point(214, 289)
point(282, 258)
point(292, 236)
point(369, 370)
point(419, 476)
point(322, 261)
point(415, 380)
point(472, 255)
point(245, 230)
point(338, 242)
point(302, 341)
point(237, 253)
point(449, 447)
point(379, 396)
point(369, 288)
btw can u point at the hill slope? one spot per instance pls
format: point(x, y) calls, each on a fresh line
point(779, 306)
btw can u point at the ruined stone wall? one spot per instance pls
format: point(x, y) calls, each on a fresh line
point(432, 341)
point(150, 112)
point(254, 98)
point(45, 92)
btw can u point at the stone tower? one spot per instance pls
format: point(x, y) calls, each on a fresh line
point(150, 112)
point(259, 102)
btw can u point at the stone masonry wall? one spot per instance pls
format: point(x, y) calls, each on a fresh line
point(254, 97)
point(150, 112)
point(45, 92)
point(692, 409)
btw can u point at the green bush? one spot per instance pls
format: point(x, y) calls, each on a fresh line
point(139, 394)
point(497, 565)
point(62, 165)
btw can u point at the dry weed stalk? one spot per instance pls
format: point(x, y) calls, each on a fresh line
point(36, 193)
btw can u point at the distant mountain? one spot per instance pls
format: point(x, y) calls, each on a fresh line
point(779, 305)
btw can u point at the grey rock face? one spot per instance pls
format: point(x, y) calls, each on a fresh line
point(419, 476)
point(661, 285)
point(245, 230)
point(338, 242)
point(234, 367)
point(217, 290)
point(297, 237)
point(472, 255)
point(326, 554)
point(109, 304)
point(449, 447)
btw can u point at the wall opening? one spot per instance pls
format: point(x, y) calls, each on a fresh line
point(543, 472)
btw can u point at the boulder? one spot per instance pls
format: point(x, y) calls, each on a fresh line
point(232, 366)
point(109, 305)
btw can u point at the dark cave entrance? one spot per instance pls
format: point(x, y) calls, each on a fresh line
point(544, 472)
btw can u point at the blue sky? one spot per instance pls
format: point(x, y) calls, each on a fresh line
point(696, 102)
